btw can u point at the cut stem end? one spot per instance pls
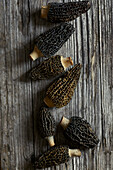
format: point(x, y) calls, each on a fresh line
point(48, 102)
point(50, 140)
point(36, 53)
point(74, 152)
point(66, 62)
point(89, 4)
point(44, 12)
point(64, 122)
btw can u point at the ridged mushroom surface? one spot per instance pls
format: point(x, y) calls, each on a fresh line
point(55, 156)
point(50, 67)
point(46, 123)
point(48, 43)
point(80, 131)
point(62, 12)
point(61, 91)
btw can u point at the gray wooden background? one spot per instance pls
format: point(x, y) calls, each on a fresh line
point(92, 46)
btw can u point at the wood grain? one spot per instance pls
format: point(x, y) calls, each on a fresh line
point(21, 98)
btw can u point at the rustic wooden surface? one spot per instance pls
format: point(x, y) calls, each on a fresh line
point(91, 45)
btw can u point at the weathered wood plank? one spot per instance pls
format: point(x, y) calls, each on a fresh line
point(92, 46)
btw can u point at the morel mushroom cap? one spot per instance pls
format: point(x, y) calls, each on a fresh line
point(51, 67)
point(79, 130)
point(47, 125)
point(63, 12)
point(55, 156)
point(48, 43)
point(61, 91)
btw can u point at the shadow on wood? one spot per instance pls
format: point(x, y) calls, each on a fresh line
point(41, 22)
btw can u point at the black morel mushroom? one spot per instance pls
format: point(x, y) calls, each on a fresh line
point(48, 43)
point(51, 67)
point(61, 91)
point(55, 156)
point(47, 125)
point(79, 131)
point(63, 12)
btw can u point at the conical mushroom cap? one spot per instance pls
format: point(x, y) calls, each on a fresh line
point(61, 91)
point(63, 12)
point(47, 125)
point(53, 39)
point(50, 67)
point(80, 131)
point(55, 156)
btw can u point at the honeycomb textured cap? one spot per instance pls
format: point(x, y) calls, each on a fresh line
point(49, 68)
point(46, 123)
point(54, 156)
point(53, 39)
point(80, 131)
point(63, 12)
point(61, 91)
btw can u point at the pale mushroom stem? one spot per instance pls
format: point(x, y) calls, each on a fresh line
point(74, 152)
point(44, 12)
point(89, 4)
point(50, 140)
point(36, 53)
point(48, 102)
point(66, 62)
point(64, 122)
